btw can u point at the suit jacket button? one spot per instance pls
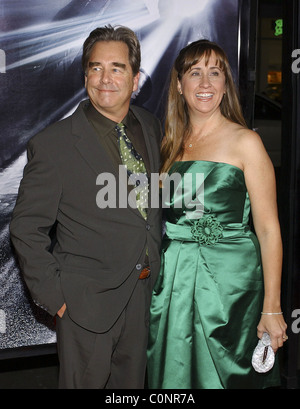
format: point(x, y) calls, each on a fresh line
point(148, 227)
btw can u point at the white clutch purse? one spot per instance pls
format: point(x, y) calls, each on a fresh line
point(263, 357)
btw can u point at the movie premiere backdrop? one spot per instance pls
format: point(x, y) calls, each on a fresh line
point(41, 81)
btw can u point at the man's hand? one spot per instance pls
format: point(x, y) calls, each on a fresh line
point(61, 312)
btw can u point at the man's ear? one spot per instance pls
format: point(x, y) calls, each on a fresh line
point(136, 82)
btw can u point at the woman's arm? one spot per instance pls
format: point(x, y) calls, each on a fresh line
point(261, 185)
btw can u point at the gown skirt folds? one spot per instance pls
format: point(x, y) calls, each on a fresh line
point(207, 300)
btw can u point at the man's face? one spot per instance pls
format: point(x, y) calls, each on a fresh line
point(109, 79)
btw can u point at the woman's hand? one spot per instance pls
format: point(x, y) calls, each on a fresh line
point(276, 327)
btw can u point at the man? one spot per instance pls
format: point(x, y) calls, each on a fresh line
point(97, 277)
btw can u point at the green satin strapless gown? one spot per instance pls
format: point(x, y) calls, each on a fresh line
point(207, 300)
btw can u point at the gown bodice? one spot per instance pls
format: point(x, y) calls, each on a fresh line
point(205, 200)
point(223, 187)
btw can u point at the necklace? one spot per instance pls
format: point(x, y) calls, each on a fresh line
point(198, 137)
point(192, 143)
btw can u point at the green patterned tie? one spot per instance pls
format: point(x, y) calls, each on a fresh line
point(136, 169)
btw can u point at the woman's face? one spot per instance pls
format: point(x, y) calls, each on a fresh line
point(203, 87)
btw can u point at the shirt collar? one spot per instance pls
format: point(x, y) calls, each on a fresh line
point(104, 124)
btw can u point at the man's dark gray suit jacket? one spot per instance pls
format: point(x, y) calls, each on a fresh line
point(98, 254)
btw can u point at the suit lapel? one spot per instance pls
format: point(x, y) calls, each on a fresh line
point(147, 136)
point(150, 142)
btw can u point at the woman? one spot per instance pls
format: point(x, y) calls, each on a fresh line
point(219, 287)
